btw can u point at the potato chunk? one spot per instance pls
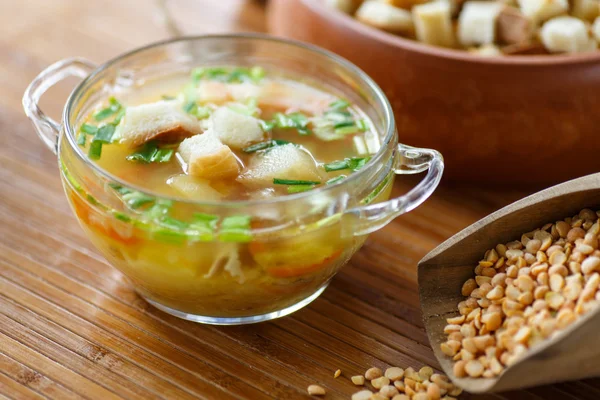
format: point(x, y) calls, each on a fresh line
point(566, 35)
point(193, 188)
point(162, 120)
point(282, 162)
point(477, 22)
point(542, 10)
point(234, 129)
point(206, 157)
point(433, 23)
point(385, 16)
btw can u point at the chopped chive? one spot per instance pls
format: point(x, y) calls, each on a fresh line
point(264, 145)
point(235, 236)
point(344, 124)
point(277, 181)
point(170, 236)
point(339, 104)
point(150, 152)
point(299, 188)
point(336, 165)
point(335, 180)
point(207, 220)
point(112, 109)
point(120, 216)
point(266, 125)
point(190, 107)
point(119, 117)
point(236, 221)
point(362, 125)
point(105, 133)
point(95, 150)
point(81, 139)
point(257, 73)
point(236, 228)
point(104, 113)
point(338, 116)
point(89, 129)
point(163, 155)
point(354, 163)
point(172, 223)
point(346, 130)
point(135, 199)
point(202, 112)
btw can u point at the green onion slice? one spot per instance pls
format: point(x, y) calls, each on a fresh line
point(277, 181)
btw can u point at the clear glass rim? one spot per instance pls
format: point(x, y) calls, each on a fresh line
point(389, 123)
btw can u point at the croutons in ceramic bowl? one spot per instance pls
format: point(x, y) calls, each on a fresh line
point(203, 254)
point(519, 119)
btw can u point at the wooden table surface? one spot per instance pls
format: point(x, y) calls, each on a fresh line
point(71, 327)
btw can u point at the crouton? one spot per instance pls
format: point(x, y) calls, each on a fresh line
point(164, 120)
point(281, 162)
point(566, 35)
point(385, 16)
point(487, 50)
point(206, 157)
point(586, 10)
point(596, 29)
point(513, 26)
point(234, 129)
point(345, 6)
point(542, 10)
point(477, 22)
point(433, 23)
point(406, 4)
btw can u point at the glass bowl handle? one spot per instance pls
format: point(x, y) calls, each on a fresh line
point(47, 128)
point(408, 160)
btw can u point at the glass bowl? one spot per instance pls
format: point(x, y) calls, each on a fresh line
point(196, 263)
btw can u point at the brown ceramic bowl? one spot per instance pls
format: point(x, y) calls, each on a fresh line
point(519, 119)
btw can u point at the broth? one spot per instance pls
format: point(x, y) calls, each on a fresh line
point(332, 138)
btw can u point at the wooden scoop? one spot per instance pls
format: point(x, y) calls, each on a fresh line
point(572, 354)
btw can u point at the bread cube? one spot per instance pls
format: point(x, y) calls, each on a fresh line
point(542, 10)
point(596, 29)
point(487, 50)
point(234, 129)
point(477, 22)
point(587, 10)
point(294, 96)
point(164, 120)
point(206, 157)
point(566, 35)
point(345, 6)
point(513, 26)
point(385, 16)
point(406, 4)
point(433, 23)
point(281, 162)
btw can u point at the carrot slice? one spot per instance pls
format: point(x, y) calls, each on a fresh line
point(83, 210)
point(289, 271)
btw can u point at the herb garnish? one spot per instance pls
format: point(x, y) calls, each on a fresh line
point(277, 181)
point(230, 75)
point(264, 145)
point(335, 180)
point(354, 164)
point(295, 120)
point(151, 152)
point(113, 108)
